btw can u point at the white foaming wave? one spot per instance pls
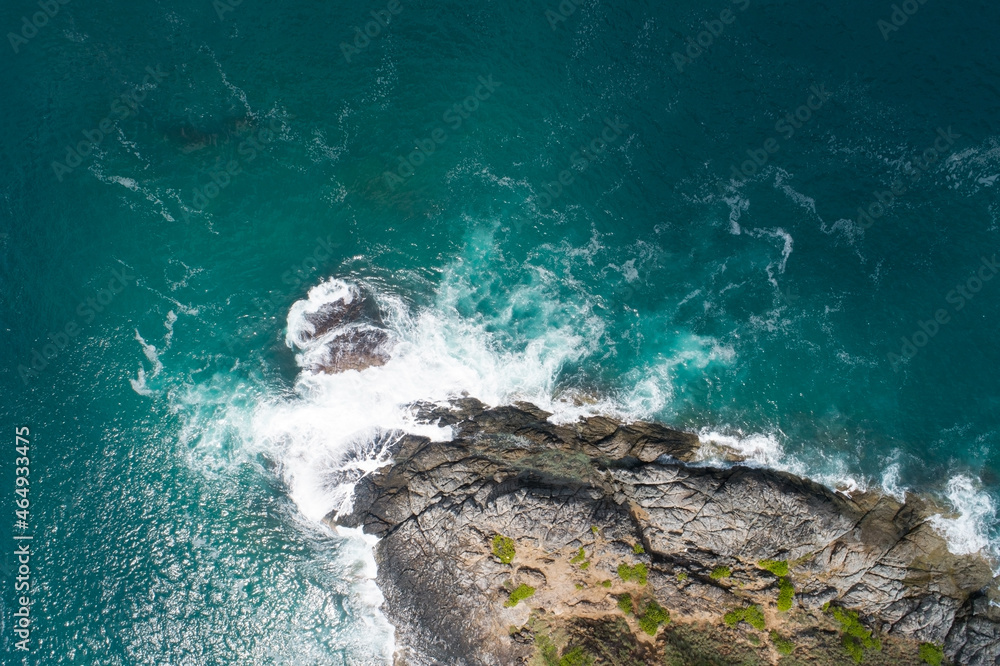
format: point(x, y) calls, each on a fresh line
point(125, 182)
point(847, 229)
point(237, 92)
point(221, 415)
point(360, 547)
point(737, 206)
point(757, 449)
point(437, 356)
point(132, 185)
point(320, 151)
point(183, 281)
point(218, 437)
point(150, 352)
point(152, 355)
point(786, 250)
point(890, 482)
point(653, 389)
point(300, 331)
point(802, 200)
point(139, 383)
point(475, 167)
point(691, 295)
point(216, 421)
point(629, 271)
point(967, 533)
point(976, 166)
point(766, 450)
point(169, 325)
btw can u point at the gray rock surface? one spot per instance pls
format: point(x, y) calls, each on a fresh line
point(608, 488)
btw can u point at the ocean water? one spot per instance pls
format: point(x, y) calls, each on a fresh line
point(542, 199)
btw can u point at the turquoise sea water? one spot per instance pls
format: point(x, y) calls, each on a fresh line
point(238, 156)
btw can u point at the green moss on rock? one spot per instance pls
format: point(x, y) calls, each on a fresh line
point(520, 593)
point(547, 650)
point(778, 567)
point(782, 645)
point(851, 626)
point(854, 649)
point(653, 615)
point(503, 548)
point(752, 615)
point(856, 638)
point(638, 573)
point(718, 573)
point(786, 594)
point(932, 653)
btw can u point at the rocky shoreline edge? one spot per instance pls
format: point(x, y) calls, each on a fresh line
point(525, 542)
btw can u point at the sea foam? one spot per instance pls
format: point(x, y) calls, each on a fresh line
point(339, 427)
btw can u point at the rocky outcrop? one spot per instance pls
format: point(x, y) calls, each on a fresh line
point(349, 331)
point(600, 511)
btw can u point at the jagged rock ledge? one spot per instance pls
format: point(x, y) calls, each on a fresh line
point(603, 519)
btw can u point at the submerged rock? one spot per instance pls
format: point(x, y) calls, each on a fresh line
point(189, 136)
point(598, 510)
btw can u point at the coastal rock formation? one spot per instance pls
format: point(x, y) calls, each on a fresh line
point(347, 332)
point(521, 539)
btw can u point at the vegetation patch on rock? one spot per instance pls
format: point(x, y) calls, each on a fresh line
point(652, 616)
point(786, 594)
point(638, 573)
point(520, 593)
point(932, 653)
point(782, 645)
point(752, 615)
point(856, 638)
point(503, 548)
point(718, 573)
point(778, 567)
